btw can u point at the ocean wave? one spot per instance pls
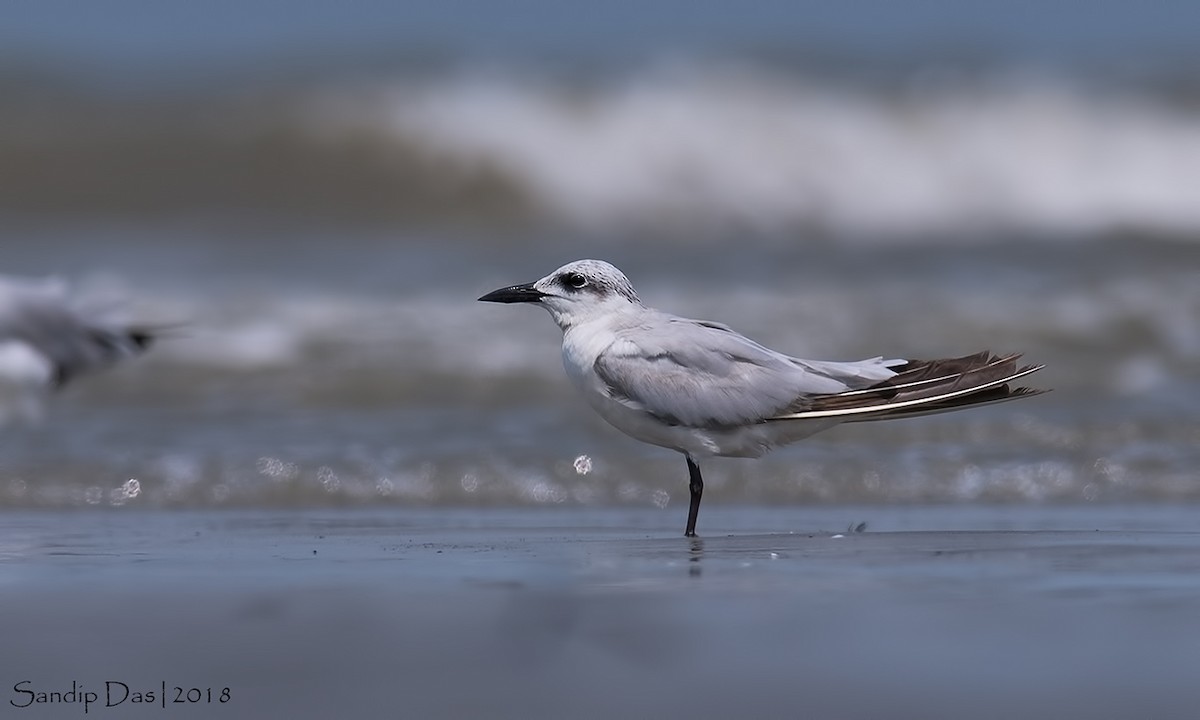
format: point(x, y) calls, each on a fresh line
point(690, 145)
point(685, 149)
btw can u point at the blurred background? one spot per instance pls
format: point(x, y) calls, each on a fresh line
point(321, 190)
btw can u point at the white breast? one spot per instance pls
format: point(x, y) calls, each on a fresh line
point(20, 364)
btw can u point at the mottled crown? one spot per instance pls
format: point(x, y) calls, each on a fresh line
point(598, 277)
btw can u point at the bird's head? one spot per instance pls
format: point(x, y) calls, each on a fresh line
point(575, 292)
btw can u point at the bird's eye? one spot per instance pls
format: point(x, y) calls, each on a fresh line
point(574, 280)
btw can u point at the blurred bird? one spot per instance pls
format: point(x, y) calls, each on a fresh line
point(704, 390)
point(47, 339)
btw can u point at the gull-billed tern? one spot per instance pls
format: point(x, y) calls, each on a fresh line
point(702, 389)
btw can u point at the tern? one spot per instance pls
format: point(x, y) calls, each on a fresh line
point(47, 339)
point(702, 389)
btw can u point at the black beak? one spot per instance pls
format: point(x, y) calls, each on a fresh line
point(514, 294)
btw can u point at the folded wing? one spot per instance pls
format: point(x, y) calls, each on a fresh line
point(700, 374)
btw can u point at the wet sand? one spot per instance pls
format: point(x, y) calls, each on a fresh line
point(973, 612)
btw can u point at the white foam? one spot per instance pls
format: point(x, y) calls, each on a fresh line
point(703, 143)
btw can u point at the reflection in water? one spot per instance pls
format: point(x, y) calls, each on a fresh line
point(695, 552)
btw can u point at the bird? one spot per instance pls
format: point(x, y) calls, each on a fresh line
point(704, 390)
point(48, 338)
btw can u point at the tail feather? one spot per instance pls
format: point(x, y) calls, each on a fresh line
point(916, 374)
point(989, 397)
point(924, 387)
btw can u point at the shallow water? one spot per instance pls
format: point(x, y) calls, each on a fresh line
point(518, 613)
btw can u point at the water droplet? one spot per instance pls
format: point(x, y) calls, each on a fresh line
point(329, 479)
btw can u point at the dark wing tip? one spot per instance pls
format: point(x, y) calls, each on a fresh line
point(142, 338)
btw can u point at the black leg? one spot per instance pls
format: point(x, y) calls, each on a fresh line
point(696, 486)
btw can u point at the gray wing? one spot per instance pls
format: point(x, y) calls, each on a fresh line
point(702, 374)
